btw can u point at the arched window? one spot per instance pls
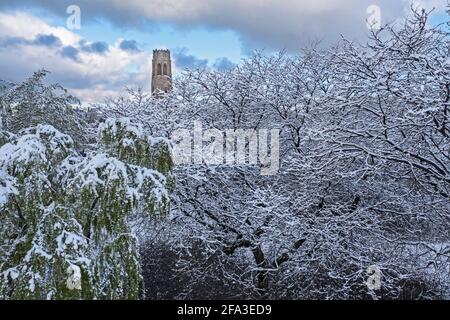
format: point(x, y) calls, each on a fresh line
point(159, 69)
point(165, 69)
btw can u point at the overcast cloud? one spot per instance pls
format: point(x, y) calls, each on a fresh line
point(263, 23)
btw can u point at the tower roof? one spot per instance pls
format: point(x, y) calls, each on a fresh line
point(163, 52)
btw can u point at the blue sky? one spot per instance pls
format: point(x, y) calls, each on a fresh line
point(114, 45)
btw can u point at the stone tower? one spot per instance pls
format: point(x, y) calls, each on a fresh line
point(161, 71)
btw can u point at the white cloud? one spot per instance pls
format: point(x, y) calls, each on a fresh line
point(24, 25)
point(92, 77)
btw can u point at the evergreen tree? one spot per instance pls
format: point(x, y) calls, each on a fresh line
point(65, 223)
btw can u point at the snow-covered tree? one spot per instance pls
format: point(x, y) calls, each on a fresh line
point(364, 176)
point(32, 102)
point(65, 215)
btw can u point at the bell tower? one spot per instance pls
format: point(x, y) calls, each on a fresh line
point(161, 71)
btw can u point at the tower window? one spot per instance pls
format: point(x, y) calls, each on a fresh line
point(165, 69)
point(159, 69)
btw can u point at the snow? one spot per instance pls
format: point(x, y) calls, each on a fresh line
point(7, 187)
point(69, 239)
point(37, 250)
point(116, 127)
point(103, 170)
point(12, 273)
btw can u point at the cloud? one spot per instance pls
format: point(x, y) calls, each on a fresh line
point(184, 60)
point(48, 40)
point(26, 26)
point(91, 70)
point(71, 53)
point(129, 45)
point(94, 47)
point(94, 70)
point(259, 23)
point(223, 64)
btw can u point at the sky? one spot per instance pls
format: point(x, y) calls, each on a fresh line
point(109, 45)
